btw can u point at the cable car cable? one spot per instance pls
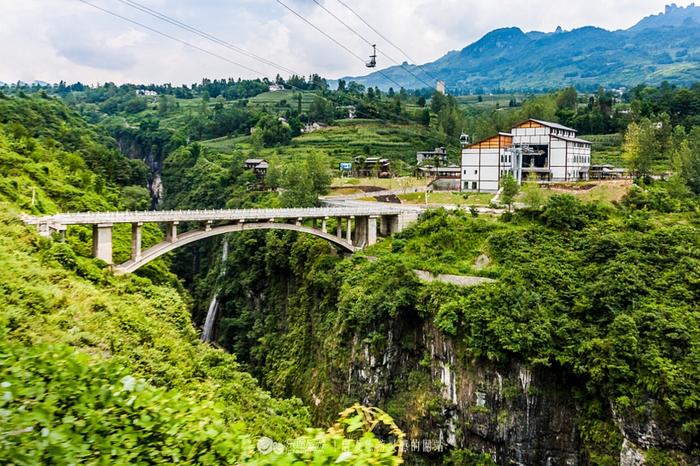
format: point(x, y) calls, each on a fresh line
point(370, 43)
point(216, 55)
point(182, 25)
point(333, 39)
point(195, 47)
point(386, 39)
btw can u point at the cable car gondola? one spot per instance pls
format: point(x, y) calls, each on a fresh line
point(373, 58)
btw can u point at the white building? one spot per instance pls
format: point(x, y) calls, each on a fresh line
point(549, 150)
point(275, 87)
point(440, 87)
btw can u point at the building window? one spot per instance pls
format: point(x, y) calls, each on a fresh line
point(476, 172)
point(473, 184)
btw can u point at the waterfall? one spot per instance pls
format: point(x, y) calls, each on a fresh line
point(208, 332)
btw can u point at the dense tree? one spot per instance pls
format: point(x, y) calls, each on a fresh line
point(321, 110)
point(424, 117)
point(304, 180)
point(567, 98)
point(686, 158)
point(641, 147)
point(509, 189)
point(273, 131)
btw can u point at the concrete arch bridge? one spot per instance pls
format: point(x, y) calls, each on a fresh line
point(357, 226)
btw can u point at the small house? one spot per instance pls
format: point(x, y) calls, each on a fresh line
point(259, 166)
point(438, 156)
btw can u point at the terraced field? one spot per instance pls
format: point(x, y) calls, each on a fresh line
point(488, 101)
point(607, 148)
point(350, 138)
point(281, 101)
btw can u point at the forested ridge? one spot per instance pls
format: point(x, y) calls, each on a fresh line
point(600, 297)
point(96, 369)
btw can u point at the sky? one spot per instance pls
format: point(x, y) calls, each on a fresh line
point(52, 40)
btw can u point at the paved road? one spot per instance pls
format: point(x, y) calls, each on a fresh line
point(343, 210)
point(386, 192)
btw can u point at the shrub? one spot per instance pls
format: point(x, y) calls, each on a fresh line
point(63, 254)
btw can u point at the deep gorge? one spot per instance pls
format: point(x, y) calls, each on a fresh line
point(335, 330)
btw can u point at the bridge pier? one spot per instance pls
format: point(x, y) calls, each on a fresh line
point(362, 228)
point(365, 231)
point(390, 225)
point(371, 230)
point(171, 232)
point(339, 228)
point(348, 233)
point(136, 241)
point(324, 225)
point(102, 242)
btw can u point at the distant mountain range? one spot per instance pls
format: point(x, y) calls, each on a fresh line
point(22, 83)
point(663, 47)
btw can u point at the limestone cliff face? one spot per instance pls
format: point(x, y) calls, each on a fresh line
point(519, 415)
point(131, 147)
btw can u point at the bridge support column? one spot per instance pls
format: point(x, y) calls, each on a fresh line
point(299, 220)
point(390, 225)
point(339, 228)
point(171, 232)
point(136, 241)
point(102, 242)
point(44, 230)
point(324, 225)
point(348, 233)
point(207, 225)
point(405, 219)
point(360, 235)
point(372, 230)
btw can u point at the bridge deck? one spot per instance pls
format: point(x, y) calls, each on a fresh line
point(84, 218)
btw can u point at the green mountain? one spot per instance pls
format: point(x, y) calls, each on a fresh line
point(664, 47)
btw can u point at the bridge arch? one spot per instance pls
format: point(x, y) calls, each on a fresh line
point(183, 239)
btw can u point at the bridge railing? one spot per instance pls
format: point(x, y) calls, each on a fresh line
point(70, 218)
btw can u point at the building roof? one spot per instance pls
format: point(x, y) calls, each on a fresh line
point(254, 161)
point(437, 150)
point(581, 141)
point(549, 124)
point(476, 143)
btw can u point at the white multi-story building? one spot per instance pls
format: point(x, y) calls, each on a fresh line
point(550, 151)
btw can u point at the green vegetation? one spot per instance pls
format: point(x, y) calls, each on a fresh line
point(601, 294)
point(509, 189)
point(447, 198)
point(97, 369)
point(606, 148)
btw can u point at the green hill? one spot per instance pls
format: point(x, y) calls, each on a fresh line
point(96, 369)
point(347, 139)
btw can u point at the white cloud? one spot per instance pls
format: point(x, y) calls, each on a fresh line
point(64, 39)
